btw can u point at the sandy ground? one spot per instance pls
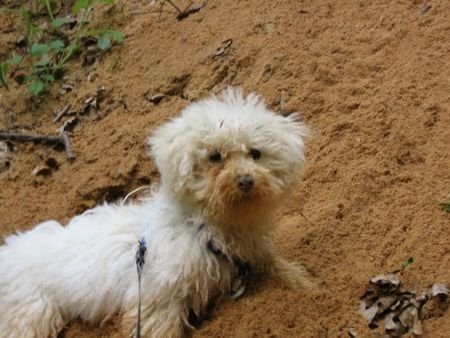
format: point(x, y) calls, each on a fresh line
point(371, 79)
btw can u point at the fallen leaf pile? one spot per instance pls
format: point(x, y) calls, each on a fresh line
point(402, 311)
point(92, 104)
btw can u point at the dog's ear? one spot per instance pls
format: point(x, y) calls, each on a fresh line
point(296, 132)
point(171, 149)
point(292, 133)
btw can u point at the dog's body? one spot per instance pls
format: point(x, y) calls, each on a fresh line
point(225, 166)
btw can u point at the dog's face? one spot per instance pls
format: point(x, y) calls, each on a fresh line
point(232, 158)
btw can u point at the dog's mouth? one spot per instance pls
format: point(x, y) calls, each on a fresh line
point(238, 204)
point(248, 208)
point(242, 190)
point(239, 215)
point(253, 198)
point(246, 196)
point(239, 199)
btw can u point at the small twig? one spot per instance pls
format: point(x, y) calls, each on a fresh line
point(67, 146)
point(31, 138)
point(183, 14)
point(304, 217)
point(61, 113)
point(10, 120)
point(222, 51)
point(282, 103)
point(174, 6)
point(149, 12)
point(190, 10)
point(63, 140)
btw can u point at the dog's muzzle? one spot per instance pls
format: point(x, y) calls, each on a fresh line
point(245, 183)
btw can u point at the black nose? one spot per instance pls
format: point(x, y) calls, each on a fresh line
point(245, 182)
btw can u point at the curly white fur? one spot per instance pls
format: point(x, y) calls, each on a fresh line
point(54, 274)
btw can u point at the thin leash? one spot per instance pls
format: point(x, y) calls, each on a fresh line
point(140, 260)
point(143, 187)
point(240, 281)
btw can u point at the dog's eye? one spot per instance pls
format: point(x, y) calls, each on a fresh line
point(215, 156)
point(255, 154)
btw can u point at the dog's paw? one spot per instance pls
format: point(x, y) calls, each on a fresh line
point(295, 275)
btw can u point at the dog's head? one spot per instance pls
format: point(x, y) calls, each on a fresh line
point(231, 158)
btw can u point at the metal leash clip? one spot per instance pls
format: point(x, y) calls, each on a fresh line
point(140, 260)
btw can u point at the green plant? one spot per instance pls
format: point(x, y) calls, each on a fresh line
point(113, 64)
point(48, 54)
point(411, 260)
point(42, 66)
point(56, 23)
point(4, 69)
point(48, 6)
point(103, 36)
point(445, 206)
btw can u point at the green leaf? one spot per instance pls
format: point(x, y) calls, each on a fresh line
point(104, 42)
point(35, 29)
point(80, 4)
point(116, 35)
point(25, 13)
point(47, 77)
point(48, 5)
point(45, 2)
point(36, 87)
point(42, 63)
point(4, 69)
point(31, 31)
point(3, 74)
point(72, 49)
point(57, 45)
point(104, 38)
point(39, 49)
point(408, 262)
point(84, 4)
point(109, 2)
point(57, 23)
point(14, 60)
point(445, 206)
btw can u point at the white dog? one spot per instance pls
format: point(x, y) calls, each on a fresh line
point(226, 165)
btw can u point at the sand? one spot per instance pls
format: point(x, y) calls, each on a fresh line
point(371, 79)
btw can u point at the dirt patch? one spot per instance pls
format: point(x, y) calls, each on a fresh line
point(371, 79)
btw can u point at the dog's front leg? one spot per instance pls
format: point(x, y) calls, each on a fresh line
point(166, 319)
point(292, 274)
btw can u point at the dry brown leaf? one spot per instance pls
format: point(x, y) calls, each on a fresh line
point(222, 51)
point(352, 333)
point(368, 313)
point(402, 311)
point(389, 323)
point(390, 281)
point(438, 289)
point(70, 124)
point(409, 318)
point(386, 302)
point(417, 325)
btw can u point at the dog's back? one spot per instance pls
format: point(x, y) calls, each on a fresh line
point(52, 273)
